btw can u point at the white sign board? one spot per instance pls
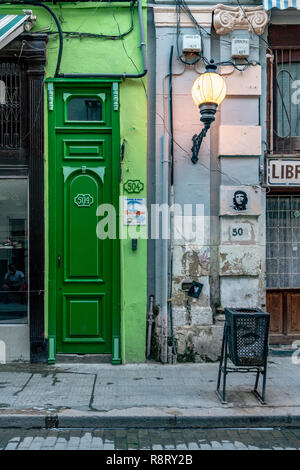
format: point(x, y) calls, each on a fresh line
point(283, 172)
point(240, 232)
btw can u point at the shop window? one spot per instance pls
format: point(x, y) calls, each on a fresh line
point(284, 90)
point(84, 109)
point(13, 250)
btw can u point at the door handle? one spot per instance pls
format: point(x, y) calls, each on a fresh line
point(58, 261)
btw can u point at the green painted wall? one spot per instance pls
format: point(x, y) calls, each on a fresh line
point(109, 56)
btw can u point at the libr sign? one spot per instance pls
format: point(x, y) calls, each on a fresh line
point(282, 172)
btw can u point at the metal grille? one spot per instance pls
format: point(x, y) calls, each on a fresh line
point(248, 336)
point(286, 99)
point(283, 241)
point(10, 106)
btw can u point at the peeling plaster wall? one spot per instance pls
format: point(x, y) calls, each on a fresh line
point(191, 186)
point(231, 268)
point(242, 233)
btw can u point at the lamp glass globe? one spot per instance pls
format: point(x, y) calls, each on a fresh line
point(210, 87)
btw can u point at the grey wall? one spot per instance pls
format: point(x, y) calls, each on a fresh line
point(232, 272)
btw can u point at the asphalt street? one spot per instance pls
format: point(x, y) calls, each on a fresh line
point(150, 439)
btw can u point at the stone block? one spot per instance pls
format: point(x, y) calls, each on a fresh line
point(165, 16)
point(239, 230)
point(243, 83)
point(180, 296)
point(199, 316)
point(239, 140)
point(239, 260)
point(243, 292)
point(246, 171)
point(191, 261)
point(240, 200)
point(199, 343)
point(230, 111)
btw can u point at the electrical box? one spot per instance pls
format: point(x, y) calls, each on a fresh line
point(195, 289)
point(191, 43)
point(240, 47)
point(192, 288)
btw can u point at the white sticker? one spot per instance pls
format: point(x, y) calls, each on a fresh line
point(134, 211)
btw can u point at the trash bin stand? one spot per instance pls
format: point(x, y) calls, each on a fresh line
point(224, 369)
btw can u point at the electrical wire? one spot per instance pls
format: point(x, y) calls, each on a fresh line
point(86, 17)
point(120, 36)
point(252, 27)
point(125, 50)
point(188, 157)
point(182, 6)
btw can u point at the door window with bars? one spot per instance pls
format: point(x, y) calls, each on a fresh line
point(287, 96)
point(284, 89)
point(10, 106)
point(283, 242)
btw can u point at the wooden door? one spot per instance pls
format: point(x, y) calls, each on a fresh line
point(84, 174)
point(284, 307)
point(283, 267)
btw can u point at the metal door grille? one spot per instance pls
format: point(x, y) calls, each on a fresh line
point(283, 242)
point(286, 101)
point(10, 106)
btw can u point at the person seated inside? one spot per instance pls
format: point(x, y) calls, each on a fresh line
point(13, 282)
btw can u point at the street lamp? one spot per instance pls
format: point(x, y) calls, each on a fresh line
point(209, 90)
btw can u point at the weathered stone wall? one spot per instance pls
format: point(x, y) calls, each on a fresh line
point(228, 258)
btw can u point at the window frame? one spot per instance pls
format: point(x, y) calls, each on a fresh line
point(27, 272)
point(287, 40)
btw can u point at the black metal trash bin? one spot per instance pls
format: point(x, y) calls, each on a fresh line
point(245, 342)
point(248, 332)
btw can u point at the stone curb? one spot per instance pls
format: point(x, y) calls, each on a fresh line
point(95, 421)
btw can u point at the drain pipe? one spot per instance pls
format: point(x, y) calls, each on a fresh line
point(164, 255)
point(119, 75)
point(172, 201)
point(150, 321)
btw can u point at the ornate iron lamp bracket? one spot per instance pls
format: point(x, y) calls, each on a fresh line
point(197, 141)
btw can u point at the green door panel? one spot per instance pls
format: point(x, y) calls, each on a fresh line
point(85, 268)
point(83, 146)
point(84, 319)
point(83, 194)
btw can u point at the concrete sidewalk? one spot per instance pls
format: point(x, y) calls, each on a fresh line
point(144, 395)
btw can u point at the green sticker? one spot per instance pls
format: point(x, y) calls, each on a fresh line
point(133, 186)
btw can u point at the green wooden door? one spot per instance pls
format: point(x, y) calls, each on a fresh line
point(84, 174)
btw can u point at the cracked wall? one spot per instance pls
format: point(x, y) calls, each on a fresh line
point(229, 260)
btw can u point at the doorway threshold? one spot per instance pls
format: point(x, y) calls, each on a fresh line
point(83, 358)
